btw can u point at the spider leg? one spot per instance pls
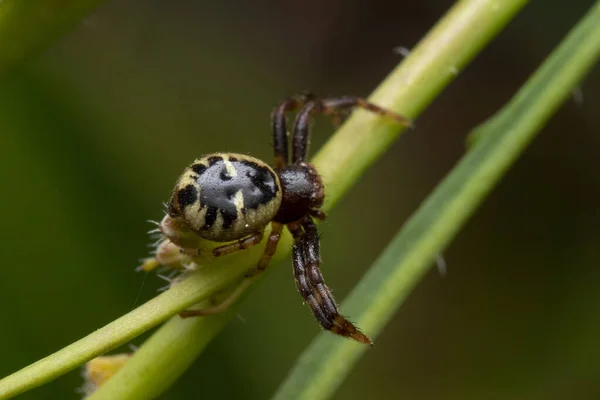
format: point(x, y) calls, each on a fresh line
point(239, 290)
point(270, 249)
point(224, 305)
point(306, 260)
point(318, 214)
point(241, 244)
point(332, 107)
point(303, 285)
point(279, 126)
point(244, 243)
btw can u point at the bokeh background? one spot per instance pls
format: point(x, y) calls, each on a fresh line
point(94, 132)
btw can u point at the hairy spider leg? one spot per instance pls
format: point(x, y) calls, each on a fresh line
point(307, 259)
point(240, 244)
point(331, 107)
point(244, 243)
point(270, 249)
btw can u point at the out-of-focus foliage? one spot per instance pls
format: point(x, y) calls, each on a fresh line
point(95, 131)
point(27, 27)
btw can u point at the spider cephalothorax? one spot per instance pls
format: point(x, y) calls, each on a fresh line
point(232, 198)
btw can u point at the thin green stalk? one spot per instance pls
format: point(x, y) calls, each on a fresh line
point(433, 63)
point(409, 88)
point(327, 361)
point(454, 41)
point(161, 362)
point(197, 287)
point(26, 27)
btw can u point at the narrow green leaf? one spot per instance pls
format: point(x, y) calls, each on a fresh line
point(327, 361)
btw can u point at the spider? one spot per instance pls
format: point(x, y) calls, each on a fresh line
point(231, 198)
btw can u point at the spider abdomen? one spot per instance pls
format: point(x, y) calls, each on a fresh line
point(226, 196)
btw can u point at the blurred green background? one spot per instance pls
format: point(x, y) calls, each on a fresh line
point(94, 132)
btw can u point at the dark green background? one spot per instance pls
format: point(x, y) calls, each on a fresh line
point(94, 132)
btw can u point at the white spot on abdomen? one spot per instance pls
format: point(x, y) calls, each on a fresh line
point(238, 200)
point(230, 168)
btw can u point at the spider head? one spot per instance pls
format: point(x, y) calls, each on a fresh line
point(302, 191)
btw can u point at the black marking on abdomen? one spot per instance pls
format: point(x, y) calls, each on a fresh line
point(224, 175)
point(187, 196)
point(210, 218)
point(262, 178)
point(199, 168)
point(228, 219)
point(213, 160)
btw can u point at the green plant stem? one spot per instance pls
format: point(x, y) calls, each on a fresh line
point(326, 362)
point(433, 63)
point(190, 291)
point(26, 27)
point(409, 88)
point(187, 338)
